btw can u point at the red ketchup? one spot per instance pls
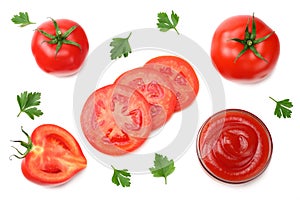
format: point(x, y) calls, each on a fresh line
point(234, 146)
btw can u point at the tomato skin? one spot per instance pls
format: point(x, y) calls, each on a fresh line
point(248, 68)
point(69, 59)
point(55, 157)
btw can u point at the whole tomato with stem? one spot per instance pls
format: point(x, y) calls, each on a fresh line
point(52, 156)
point(244, 53)
point(60, 47)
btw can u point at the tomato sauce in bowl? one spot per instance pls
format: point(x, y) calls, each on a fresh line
point(234, 146)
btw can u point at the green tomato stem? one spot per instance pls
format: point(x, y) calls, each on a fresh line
point(59, 38)
point(28, 145)
point(250, 41)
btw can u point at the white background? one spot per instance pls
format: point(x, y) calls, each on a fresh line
point(102, 21)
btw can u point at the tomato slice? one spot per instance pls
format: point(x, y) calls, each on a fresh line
point(155, 88)
point(55, 156)
point(182, 75)
point(116, 119)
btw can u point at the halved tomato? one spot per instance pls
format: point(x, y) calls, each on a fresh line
point(53, 155)
point(182, 75)
point(116, 119)
point(155, 88)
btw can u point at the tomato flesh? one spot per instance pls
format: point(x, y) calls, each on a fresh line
point(181, 75)
point(156, 89)
point(116, 119)
point(234, 146)
point(55, 157)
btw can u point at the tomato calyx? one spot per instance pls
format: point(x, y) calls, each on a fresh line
point(59, 38)
point(250, 41)
point(28, 145)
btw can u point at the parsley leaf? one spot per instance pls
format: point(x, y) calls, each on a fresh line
point(162, 167)
point(121, 47)
point(121, 177)
point(283, 108)
point(164, 24)
point(22, 19)
point(28, 102)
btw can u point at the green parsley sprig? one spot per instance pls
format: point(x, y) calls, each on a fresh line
point(28, 102)
point(121, 47)
point(22, 19)
point(164, 23)
point(282, 108)
point(163, 167)
point(121, 177)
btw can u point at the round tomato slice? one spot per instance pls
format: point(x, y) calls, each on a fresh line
point(116, 119)
point(155, 88)
point(182, 75)
point(55, 156)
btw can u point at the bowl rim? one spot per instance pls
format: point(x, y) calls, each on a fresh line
point(267, 132)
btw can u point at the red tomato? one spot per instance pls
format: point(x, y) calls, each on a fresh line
point(182, 76)
point(155, 88)
point(116, 119)
point(60, 47)
point(53, 156)
point(244, 54)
